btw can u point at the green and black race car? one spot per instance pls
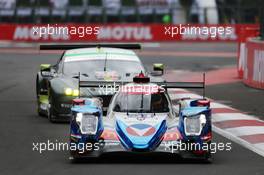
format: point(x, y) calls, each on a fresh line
point(57, 85)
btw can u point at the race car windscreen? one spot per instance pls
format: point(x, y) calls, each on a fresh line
point(98, 68)
point(146, 103)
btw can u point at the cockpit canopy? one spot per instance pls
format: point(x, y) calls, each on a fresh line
point(141, 98)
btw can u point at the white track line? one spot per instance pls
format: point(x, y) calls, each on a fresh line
point(253, 147)
point(219, 117)
point(260, 146)
point(219, 105)
point(246, 130)
point(184, 95)
point(177, 90)
point(150, 45)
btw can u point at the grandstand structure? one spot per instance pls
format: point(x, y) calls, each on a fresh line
point(122, 11)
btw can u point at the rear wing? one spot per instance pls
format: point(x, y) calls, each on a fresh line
point(79, 46)
point(165, 84)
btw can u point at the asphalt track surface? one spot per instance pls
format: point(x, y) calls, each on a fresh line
point(20, 126)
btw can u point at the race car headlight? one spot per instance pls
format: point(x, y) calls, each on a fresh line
point(75, 92)
point(202, 119)
point(79, 118)
point(88, 123)
point(71, 92)
point(68, 91)
point(193, 125)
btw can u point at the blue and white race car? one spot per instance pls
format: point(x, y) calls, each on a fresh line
point(141, 118)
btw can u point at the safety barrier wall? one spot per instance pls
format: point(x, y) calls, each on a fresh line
point(117, 33)
point(244, 33)
point(254, 63)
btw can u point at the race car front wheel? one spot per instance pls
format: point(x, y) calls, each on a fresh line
point(208, 158)
point(50, 111)
point(76, 160)
point(37, 93)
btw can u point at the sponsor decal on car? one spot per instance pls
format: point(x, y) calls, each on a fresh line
point(141, 130)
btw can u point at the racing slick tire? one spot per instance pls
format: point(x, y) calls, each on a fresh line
point(40, 112)
point(50, 111)
point(208, 156)
point(75, 159)
point(37, 94)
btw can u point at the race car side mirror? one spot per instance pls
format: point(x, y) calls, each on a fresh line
point(158, 69)
point(45, 70)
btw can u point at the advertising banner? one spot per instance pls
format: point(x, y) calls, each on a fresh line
point(119, 32)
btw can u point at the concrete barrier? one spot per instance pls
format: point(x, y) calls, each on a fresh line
point(244, 33)
point(254, 63)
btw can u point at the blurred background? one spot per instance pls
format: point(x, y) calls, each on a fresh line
point(131, 11)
